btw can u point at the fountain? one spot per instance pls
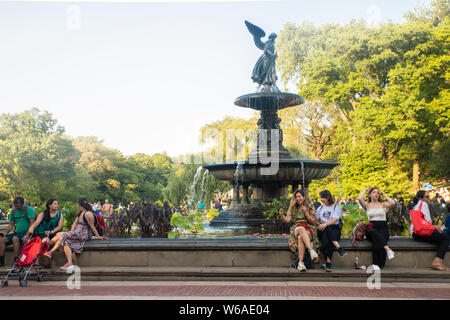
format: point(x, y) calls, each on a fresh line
point(269, 168)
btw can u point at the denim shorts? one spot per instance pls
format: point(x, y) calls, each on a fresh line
point(19, 235)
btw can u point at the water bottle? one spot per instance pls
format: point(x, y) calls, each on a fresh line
point(356, 262)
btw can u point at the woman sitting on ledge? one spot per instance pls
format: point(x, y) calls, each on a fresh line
point(328, 230)
point(377, 229)
point(48, 223)
point(301, 232)
point(82, 229)
point(437, 237)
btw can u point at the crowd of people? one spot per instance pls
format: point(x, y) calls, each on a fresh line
point(309, 219)
point(323, 220)
point(48, 225)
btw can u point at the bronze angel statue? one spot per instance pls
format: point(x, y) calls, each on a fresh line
point(264, 72)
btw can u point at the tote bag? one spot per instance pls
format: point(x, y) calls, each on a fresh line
point(422, 227)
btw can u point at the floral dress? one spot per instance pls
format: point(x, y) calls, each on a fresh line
point(300, 220)
point(76, 239)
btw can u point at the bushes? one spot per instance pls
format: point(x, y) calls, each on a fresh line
point(272, 214)
point(355, 214)
point(191, 222)
point(69, 211)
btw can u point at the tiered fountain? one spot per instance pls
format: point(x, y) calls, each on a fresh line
point(269, 169)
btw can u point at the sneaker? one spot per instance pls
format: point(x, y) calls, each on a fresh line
point(67, 266)
point(390, 254)
point(301, 266)
point(313, 254)
point(329, 267)
point(342, 252)
point(324, 266)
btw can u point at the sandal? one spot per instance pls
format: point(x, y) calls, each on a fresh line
point(439, 267)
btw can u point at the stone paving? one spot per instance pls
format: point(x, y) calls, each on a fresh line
point(224, 290)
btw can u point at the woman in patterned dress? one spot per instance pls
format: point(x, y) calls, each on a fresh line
point(301, 233)
point(82, 229)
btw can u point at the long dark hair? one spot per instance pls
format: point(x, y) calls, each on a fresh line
point(303, 194)
point(327, 195)
point(84, 203)
point(370, 191)
point(47, 211)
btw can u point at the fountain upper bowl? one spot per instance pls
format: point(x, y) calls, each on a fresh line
point(269, 101)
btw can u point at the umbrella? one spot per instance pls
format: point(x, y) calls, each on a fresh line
point(428, 187)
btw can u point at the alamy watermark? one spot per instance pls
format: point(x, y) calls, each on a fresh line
point(74, 280)
point(374, 281)
point(73, 21)
point(236, 144)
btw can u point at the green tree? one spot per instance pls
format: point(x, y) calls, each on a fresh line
point(384, 93)
point(36, 159)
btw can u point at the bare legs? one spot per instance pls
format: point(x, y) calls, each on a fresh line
point(68, 253)
point(56, 240)
point(16, 245)
point(304, 241)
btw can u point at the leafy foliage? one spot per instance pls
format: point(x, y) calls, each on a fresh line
point(190, 222)
point(38, 161)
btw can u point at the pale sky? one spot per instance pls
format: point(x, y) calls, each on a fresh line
point(144, 76)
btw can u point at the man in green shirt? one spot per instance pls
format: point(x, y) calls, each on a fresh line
point(20, 218)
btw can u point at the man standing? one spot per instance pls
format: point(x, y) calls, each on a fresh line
point(20, 219)
point(107, 208)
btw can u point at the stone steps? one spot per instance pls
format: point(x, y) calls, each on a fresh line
point(388, 275)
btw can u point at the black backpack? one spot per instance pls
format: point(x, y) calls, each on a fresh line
point(96, 224)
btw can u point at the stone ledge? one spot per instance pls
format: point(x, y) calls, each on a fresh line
point(420, 275)
point(233, 252)
point(127, 244)
point(238, 244)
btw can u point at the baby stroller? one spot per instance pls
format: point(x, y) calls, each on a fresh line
point(28, 256)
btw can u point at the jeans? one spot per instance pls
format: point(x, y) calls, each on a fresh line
point(326, 237)
point(379, 235)
point(442, 240)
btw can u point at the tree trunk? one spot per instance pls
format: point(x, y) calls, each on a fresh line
point(416, 172)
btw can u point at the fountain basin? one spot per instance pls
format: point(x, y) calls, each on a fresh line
point(266, 187)
point(289, 171)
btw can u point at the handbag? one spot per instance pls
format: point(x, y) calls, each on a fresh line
point(358, 232)
point(422, 227)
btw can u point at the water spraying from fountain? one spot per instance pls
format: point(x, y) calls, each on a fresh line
point(193, 188)
point(202, 185)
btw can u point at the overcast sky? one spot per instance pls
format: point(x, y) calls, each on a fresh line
point(145, 76)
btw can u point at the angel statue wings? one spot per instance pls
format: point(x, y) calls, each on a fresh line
point(264, 72)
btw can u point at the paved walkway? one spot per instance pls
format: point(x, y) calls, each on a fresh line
point(223, 290)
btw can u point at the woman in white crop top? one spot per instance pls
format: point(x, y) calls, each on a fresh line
point(377, 229)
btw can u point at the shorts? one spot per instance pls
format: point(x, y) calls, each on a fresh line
point(19, 235)
point(305, 225)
